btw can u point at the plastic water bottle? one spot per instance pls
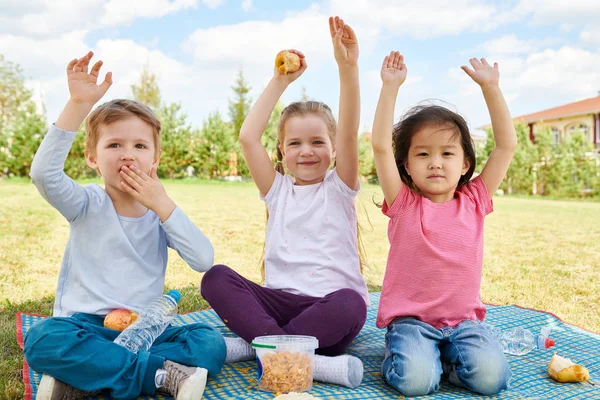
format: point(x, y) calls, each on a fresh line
point(519, 341)
point(150, 324)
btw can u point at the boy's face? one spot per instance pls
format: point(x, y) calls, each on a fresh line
point(128, 142)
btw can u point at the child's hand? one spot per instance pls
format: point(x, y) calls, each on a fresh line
point(483, 73)
point(345, 44)
point(147, 190)
point(291, 77)
point(82, 84)
point(393, 70)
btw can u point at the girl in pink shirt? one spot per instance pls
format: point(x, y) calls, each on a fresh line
point(430, 301)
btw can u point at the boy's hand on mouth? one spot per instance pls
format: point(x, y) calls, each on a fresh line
point(147, 190)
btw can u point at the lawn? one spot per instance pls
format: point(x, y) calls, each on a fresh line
point(543, 254)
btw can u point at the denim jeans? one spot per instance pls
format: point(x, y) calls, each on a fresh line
point(417, 354)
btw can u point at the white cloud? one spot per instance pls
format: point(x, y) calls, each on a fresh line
point(534, 82)
point(257, 42)
point(573, 12)
point(44, 58)
point(120, 12)
point(591, 35)
point(212, 4)
point(247, 5)
point(511, 44)
point(43, 18)
point(420, 19)
point(51, 17)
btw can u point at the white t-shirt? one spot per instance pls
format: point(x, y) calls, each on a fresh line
point(310, 242)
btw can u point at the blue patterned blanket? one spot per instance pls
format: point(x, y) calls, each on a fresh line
point(530, 379)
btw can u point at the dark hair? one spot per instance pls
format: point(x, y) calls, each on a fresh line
point(423, 115)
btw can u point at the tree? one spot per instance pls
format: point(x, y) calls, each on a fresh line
point(178, 140)
point(366, 159)
point(573, 169)
point(75, 164)
point(216, 153)
point(23, 136)
point(147, 91)
point(240, 104)
point(269, 137)
point(21, 127)
point(13, 93)
point(520, 174)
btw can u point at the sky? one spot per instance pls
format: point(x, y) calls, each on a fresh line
point(548, 51)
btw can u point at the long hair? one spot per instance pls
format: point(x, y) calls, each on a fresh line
point(302, 108)
point(420, 116)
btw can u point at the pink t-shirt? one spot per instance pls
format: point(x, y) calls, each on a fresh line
point(434, 265)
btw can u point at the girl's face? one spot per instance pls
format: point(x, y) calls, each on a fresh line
point(307, 148)
point(436, 161)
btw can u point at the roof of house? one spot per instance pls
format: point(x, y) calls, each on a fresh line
point(587, 106)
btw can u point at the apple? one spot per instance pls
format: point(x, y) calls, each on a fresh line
point(120, 319)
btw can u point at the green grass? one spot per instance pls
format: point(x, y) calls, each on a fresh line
point(542, 254)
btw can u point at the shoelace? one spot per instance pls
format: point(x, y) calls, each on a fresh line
point(174, 377)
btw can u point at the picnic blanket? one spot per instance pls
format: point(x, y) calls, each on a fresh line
point(529, 381)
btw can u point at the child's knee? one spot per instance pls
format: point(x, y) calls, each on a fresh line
point(351, 303)
point(411, 377)
point(489, 377)
point(213, 278)
point(42, 338)
point(211, 345)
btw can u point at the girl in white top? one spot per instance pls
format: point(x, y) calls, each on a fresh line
point(313, 281)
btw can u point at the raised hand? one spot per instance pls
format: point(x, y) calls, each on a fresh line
point(147, 190)
point(483, 73)
point(393, 69)
point(291, 77)
point(83, 85)
point(345, 43)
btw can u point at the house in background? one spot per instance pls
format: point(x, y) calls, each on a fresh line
point(583, 116)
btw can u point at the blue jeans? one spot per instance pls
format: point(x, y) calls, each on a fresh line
point(417, 354)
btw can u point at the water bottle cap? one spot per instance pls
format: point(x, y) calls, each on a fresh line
point(175, 295)
point(549, 343)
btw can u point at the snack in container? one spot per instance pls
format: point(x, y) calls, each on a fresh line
point(285, 362)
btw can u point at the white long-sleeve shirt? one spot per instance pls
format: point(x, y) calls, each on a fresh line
point(110, 261)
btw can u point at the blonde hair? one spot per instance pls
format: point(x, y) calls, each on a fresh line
point(300, 109)
point(116, 110)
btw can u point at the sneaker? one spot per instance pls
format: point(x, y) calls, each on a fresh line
point(53, 389)
point(184, 383)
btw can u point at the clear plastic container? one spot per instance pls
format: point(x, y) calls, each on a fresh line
point(285, 362)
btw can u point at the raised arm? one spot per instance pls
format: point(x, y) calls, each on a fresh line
point(48, 164)
point(345, 49)
point(393, 74)
point(255, 154)
point(84, 91)
point(505, 136)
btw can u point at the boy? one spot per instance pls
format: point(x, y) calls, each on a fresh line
point(116, 256)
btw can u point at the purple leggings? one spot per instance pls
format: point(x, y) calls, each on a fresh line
point(251, 310)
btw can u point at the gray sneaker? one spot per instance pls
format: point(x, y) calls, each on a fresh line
point(53, 389)
point(183, 382)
